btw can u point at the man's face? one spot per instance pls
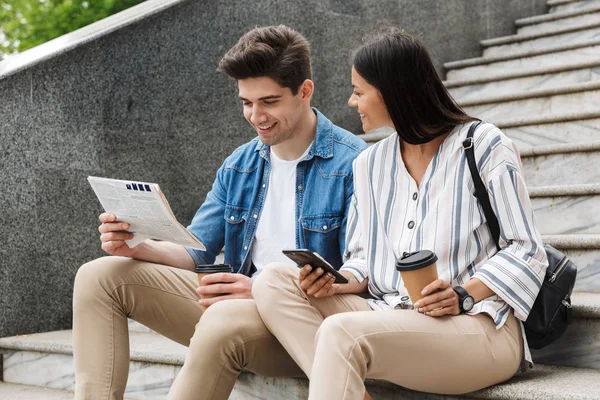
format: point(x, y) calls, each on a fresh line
point(271, 109)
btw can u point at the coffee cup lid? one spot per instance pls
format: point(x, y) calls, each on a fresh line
point(416, 260)
point(213, 268)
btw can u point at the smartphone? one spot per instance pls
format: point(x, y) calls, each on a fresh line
point(304, 256)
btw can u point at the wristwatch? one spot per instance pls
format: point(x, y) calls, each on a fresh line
point(465, 301)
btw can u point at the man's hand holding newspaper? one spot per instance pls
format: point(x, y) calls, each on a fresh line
point(136, 211)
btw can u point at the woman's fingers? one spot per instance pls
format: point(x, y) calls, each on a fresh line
point(304, 271)
point(437, 306)
point(441, 303)
point(321, 288)
point(438, 284)
point(308, 281)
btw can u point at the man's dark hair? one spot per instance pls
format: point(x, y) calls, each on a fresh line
point(276, 52)
point(400, 67)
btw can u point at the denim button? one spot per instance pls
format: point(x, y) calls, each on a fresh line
point(324, 227)
point(232, 218)
point(411, 225)
point(415, 195)
point(245, 247)
point(300, 187)
point(255, 216)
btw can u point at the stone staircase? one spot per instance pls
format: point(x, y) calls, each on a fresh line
point(541, 86)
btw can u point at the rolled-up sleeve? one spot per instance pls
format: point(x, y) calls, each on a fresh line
point(517, 271)
point(354, 255)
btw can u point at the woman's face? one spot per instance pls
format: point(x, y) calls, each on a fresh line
point(368, 102)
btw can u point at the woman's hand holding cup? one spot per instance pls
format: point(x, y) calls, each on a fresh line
point(439, 300)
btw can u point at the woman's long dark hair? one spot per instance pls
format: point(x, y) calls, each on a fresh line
point(400, 67)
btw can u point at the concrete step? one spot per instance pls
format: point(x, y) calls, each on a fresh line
point(563, 20)
point(135, 326)
point(561, 132)
point(542, 78)
point(534, 130)
point(559, 6)
point(518, 43)
point(584, 251)
point(580, 344)
point(553, 56)
point(557, 20)
point(46, 360)
point(562, 164)
point(581, 97)
point(563, 210)
point(11, 391)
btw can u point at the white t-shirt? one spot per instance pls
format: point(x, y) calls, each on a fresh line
point(276, 230)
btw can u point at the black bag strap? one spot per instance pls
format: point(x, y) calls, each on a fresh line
point(480, 190)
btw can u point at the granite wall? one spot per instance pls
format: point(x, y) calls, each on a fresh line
point(144, 102)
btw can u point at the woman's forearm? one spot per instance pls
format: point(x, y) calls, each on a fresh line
point(478, 290)
point(353, 286)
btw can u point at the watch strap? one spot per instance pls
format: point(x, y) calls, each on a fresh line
point(462, 296)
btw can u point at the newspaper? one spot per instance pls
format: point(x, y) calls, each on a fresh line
point(144, 207)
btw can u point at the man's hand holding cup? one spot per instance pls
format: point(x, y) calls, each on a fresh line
point(218, 282)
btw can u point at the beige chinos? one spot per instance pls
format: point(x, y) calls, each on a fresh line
point(229, 338)
point(339, 341)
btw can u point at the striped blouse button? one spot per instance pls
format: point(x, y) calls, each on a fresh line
point(411, 224)
point(415, 196)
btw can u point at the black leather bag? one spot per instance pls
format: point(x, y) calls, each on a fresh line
point(551, 313)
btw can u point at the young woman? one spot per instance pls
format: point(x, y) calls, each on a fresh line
point(413, 191)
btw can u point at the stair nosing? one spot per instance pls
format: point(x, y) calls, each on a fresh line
point(514, 122)
point(549, 17)
point(561, 148)
point(553, 3)
point(523, 74)
point(532, 94)
point(529, 53)
point(19, 343)
point(547, 119)
point(589, 189)
point(518, 38)
point(574, 241)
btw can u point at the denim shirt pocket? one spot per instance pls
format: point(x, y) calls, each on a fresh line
point(234, 233)
point(322, 224)
point(321, 234)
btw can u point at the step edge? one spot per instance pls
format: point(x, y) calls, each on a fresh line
point(523, 389)
point(23, 343)
point(533, 94)
point(564, 190)
point(522, 74)
point(562, 148)
point(518, 38)
point(513, 123)
point(529, 53)
point(573, 242)
point(547, 119)
point(552, 3)
point(550, 17)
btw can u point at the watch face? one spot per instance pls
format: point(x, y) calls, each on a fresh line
point(468, 303)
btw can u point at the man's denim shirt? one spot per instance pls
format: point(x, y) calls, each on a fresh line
point(324, 188)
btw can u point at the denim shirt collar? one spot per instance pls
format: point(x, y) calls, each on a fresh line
point(322, 145)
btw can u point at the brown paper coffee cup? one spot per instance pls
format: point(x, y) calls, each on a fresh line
point(203, 270)
point(418, 270)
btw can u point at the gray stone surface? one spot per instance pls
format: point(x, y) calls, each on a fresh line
point(11, 391)
point(139, 98)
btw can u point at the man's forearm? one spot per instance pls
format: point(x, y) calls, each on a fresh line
point(165, 253)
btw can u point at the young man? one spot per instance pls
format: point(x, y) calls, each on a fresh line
point(288, 188)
